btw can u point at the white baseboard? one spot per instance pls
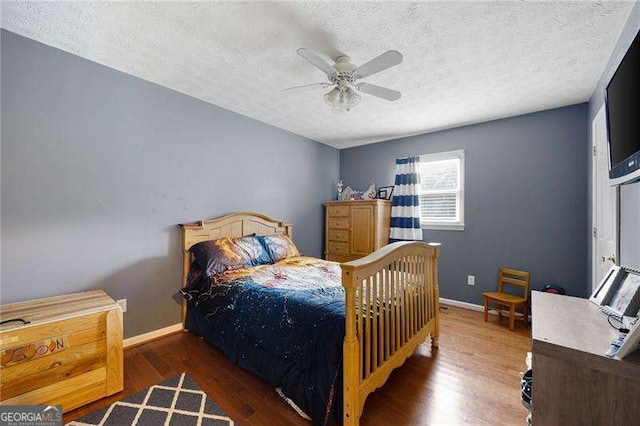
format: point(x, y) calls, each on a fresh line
point(152, 335)
point(459, 304)
point(471, 306)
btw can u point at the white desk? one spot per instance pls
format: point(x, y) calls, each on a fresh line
point(574, 383)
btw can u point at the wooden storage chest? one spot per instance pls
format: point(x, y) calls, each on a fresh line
point(69, 354)
point(355, 228)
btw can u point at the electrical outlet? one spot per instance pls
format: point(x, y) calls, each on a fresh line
point(471, 280)
point(123, 304)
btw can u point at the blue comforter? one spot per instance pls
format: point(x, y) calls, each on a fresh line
point(284, 322)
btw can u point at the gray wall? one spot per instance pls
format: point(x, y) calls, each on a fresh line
point(525, 201)
point(98, 167)
point(629, 194)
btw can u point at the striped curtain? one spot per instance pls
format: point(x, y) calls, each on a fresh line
point(405, 207)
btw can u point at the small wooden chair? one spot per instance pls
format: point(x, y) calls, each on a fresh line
point(514, 277)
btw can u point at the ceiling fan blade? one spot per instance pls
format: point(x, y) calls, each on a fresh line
point(306, 87)
point(379, 91)
point(317, 61)
point(388, 59)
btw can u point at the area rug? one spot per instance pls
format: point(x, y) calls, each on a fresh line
point(178, 401)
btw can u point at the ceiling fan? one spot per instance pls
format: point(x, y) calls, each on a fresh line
point(344, 75)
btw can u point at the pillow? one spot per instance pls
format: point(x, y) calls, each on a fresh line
point(224, 254)
point(279, 247)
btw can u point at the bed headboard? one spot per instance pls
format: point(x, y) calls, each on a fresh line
point(232, 225)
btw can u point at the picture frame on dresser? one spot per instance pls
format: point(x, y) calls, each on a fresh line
point(385, 192)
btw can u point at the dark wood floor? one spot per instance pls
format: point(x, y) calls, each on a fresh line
point(473, 378)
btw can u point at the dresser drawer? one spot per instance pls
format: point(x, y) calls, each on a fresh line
point(341, 258)
point(341, 235)
point(339, 223)
point(338, 248)
point(338, 211)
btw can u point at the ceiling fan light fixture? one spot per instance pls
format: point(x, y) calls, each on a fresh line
point(332, 96)
point(342, 100)
point(352, 98)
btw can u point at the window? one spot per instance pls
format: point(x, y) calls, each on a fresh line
point(442, 190)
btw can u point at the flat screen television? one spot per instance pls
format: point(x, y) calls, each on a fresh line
point(622, 100)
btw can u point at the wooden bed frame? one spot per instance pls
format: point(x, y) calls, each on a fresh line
point(392, 302)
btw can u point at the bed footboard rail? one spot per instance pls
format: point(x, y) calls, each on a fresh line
point(391, 307)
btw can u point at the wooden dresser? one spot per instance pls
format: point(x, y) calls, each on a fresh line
point(574, 383)
point(69, 354)
point(355, 228)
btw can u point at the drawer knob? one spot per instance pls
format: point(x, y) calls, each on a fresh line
point(56, 364)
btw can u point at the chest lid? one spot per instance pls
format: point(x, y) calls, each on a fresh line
point(43, 311)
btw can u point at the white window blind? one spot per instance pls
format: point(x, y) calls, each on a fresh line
point(442, 190)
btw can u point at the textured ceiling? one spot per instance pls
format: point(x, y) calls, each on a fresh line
point(464, 62)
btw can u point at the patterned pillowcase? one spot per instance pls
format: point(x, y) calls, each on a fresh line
point(224, 254)
point(279, 247)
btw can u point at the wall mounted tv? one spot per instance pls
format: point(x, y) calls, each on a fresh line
point(622, 100)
